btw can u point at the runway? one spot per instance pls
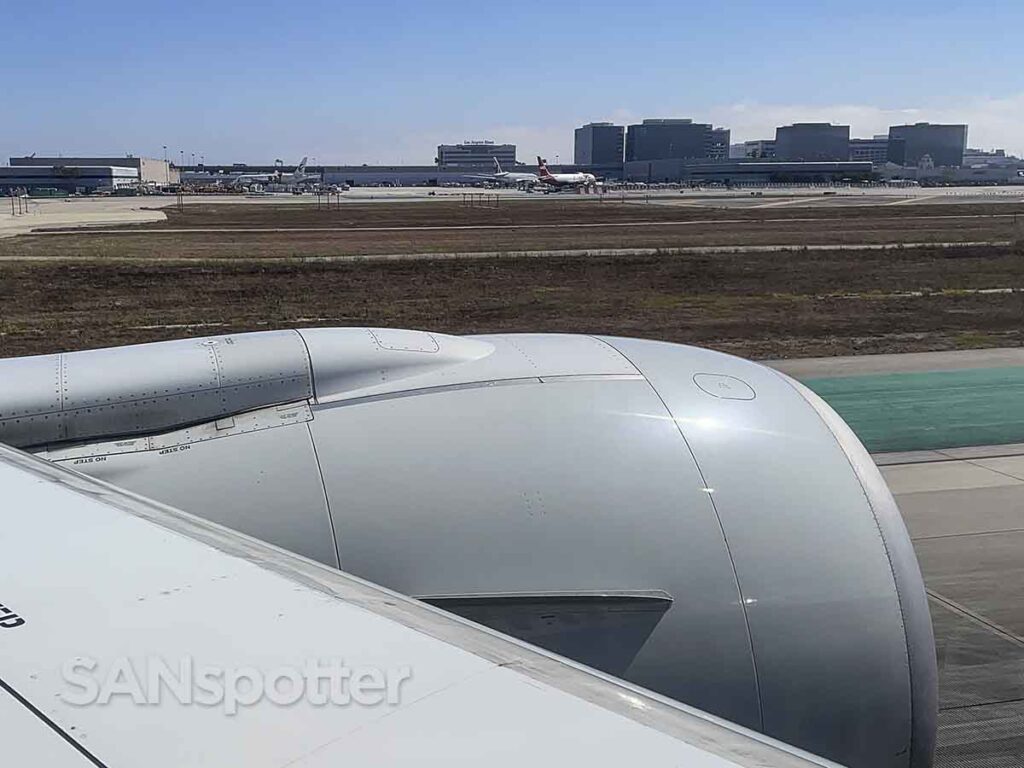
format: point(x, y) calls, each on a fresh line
point(497, 227)
point(966, 519)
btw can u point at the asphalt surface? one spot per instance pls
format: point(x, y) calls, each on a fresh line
point(557, 226)
point(923, 401)
point(966, 519)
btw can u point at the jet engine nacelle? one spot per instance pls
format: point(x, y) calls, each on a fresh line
point(701, 525)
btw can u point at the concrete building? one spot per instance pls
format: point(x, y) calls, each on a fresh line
point(986, 175)
point(944, 144)
point(874, 150)
point(678, 139)
point(720, 138)
point(599, 144)
point(745, 172)
point(813, 142)
point(150, 172)
point(82, 179)
point(996, 158)
point(405, 175)
point(762, 149)
point(475, 153)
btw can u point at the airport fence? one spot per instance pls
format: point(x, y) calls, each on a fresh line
point(480, 200)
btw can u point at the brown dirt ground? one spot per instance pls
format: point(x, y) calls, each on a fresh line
point(795, 303)
point(673, 227)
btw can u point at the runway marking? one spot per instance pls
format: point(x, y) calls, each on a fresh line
point(781, 203)
point(975, 618)
point(923, 198)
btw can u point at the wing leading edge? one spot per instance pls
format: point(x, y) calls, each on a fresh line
point(108, 587)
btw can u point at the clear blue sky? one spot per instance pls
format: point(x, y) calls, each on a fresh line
point(386, 81)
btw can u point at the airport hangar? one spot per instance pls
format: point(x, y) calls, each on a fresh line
point(70, 179)
point(86, 174)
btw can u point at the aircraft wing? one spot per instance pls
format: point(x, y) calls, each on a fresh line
point(120, 617)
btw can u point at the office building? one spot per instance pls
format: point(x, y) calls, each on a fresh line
point(599, 144)
point(874, 150)
point(996, 158)
point(678, 139)
point(738, 172)
point(478, 153)
point(943, 144)
point(762, 149)
point(719, 144)
point(812, 142)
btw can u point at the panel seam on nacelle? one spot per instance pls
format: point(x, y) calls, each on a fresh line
point(364, 399)
point(61, 384)
point(327, 498)
point(309, 366)
point(900, 600)
point(721, 527)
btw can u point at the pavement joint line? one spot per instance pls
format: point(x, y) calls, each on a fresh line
point(981, 704)
point(974, 462)
point(892, 459)
point(966, 533)
point(976, 618)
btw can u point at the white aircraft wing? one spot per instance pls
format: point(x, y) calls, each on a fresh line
point(120, 616)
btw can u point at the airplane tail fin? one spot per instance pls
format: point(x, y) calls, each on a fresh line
point(302, 165)
point(542, 166)
point(497, 166)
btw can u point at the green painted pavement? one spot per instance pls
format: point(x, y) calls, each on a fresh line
point(927, 411)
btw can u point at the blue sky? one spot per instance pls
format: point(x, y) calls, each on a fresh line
point(386, 81)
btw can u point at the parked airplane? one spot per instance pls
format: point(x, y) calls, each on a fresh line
point(509, 178)
point(277, 177)
point(563, 180)
point(699, 525)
